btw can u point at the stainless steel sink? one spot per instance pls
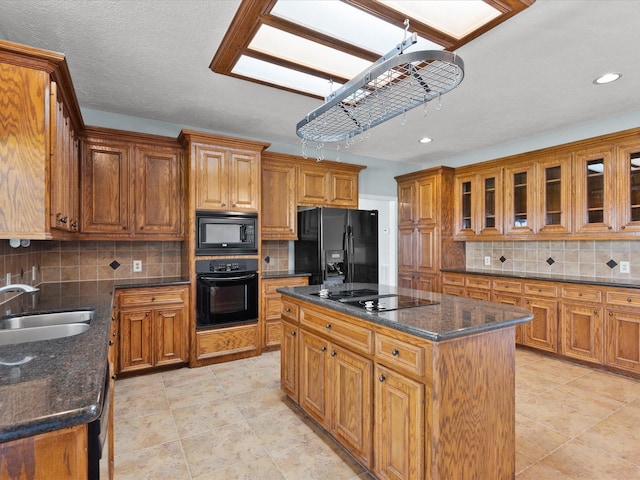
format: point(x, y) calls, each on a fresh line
point(46, 319)
point(34, 334)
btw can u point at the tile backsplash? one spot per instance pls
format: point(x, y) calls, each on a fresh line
point(580, 258)
point(277, 251)
point(57, 261)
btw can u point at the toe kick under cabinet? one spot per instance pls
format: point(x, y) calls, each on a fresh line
point(153, 324)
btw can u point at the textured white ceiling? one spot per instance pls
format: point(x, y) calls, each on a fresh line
point(529, 77)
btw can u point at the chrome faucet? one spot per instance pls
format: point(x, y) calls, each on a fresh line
point(18, 287)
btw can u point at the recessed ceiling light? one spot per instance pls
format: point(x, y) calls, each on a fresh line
point(426, 140)
point(607, 78)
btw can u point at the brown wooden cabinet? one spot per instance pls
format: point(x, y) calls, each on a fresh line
point(59, 455)
point(131, 190)
point(622, 329)
point(327, 184)
point(519, 200)
point(335, 382)
point(65, 195)
point(425, 243)
point(152, 327)
point(478, 200)
point(271, 308)
point(594, 191)
point(289, 360)
point(226, 178)
point(399, 423)
point(39, 118)
point(542, 331)
point(278, 201)
point(581, 323)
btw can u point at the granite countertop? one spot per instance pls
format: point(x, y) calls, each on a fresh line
point(62, 385)
point(450, 317)
point(284, 273)
point(597, 281)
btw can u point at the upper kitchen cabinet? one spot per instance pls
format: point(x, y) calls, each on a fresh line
point(594, 191)
point(326, 183)
point(225, 171)
point(278, 203)
point(478, 204)
point(553, 187)
point(628, 186)
point(417, 200)
point(40, 119)
point(519, 199)
point(131, 189)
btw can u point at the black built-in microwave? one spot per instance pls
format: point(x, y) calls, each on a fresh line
point(222, 233)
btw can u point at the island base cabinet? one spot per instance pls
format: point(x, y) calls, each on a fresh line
point(314, 378)
point(399, 426)
point(289, 360)
point(58, 455)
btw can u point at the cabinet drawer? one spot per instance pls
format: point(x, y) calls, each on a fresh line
point(507, 286)
point(623, 297)
point(400, 355)
point(541, 289)
point(226, 341)
point(288, 310)
point(271, 285)
point(353, 336)
point(582, 293)
point(453, 279)
point(150, 297)
point(451, 290)
point(476, 282)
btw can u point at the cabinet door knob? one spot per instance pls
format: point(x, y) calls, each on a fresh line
point(63, 220)
point(110, 342)
point(382, 378)
point(622, 227)
point(223, 204)
point(288, 310)
point(628, 300)
point(323, 349)
point(334, 353)
point(114, 377)
point(293, 334)
point(328, 326)
point(395, 352)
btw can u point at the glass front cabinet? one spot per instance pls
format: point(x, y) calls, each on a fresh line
point(628, 187)
point(553, 206)
point(519, 199)
point(478, 200)
point(594, 191)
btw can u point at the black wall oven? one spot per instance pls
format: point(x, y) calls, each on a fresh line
point(226, 292)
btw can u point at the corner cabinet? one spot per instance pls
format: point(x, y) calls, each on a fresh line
point(130, 189)
point(270, 302)
point(425, 242)
point(40, 119)
point(153, 327)
point(278, 206)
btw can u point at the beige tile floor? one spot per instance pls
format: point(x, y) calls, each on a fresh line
point(230, 421)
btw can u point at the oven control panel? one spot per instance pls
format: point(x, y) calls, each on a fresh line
point(227, 265)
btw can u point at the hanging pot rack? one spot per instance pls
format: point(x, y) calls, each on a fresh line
point(393, 85)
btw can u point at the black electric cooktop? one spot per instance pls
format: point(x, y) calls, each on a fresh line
point(385, 303)
point(346, 294)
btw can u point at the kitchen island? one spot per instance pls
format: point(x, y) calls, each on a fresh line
point(416, 385)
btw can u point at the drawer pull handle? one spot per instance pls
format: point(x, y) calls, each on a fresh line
point(288, 310)
point(395, 352)
point(580, 294)
point(328, 326)
point(628, 300)
point(293, 334)
point(382, 378)
point(595, 312)
point(323, 349)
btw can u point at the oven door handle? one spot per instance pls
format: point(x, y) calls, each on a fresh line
point(224, 279)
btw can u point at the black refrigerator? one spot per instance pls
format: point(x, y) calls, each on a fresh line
point(337, 245)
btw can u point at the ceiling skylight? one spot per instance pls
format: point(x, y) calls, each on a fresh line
point(313, 47)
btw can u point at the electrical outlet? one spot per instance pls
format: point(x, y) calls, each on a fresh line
point(34, 272)
point(487, 260)
point(9, 278)
point(624, 267)
point(137, 265)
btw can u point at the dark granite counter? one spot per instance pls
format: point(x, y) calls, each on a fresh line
point(450, 317)
point(284, 274)
point(596, 281)
point(63, 382)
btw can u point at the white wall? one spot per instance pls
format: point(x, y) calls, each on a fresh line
point(387, 235)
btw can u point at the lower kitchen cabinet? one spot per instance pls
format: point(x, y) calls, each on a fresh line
point(542, 331)
point(270, 308)
point(289, 360)
point(59, 455)
point(623, 339)
point(335, 390)
point(152, 327)
point(242, 341)
point(581, 316)
point(399, 423)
